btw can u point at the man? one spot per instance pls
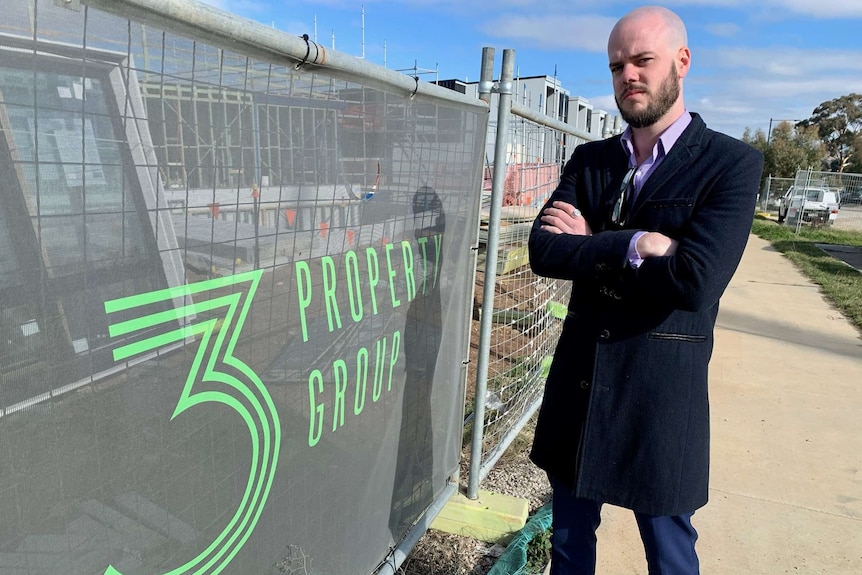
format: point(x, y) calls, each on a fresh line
point(649, 226)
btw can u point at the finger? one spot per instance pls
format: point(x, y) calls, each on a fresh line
point(563, 207)
point(552, 229)
point(560, 212)
point(569, 209)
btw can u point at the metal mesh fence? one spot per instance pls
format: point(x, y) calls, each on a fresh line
point(528, 309)
point(848, 191)
point(789, 199)
point(773, 190)
point(232, 299)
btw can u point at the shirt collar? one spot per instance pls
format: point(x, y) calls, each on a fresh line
point(665, 141)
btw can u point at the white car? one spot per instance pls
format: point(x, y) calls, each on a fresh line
point(813, 205)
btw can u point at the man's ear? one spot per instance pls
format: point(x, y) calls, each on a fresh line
point(683, 61)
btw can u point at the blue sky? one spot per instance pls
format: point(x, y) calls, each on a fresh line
point(752, 60)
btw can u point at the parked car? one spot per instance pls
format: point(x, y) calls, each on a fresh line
point(852, 197)
point(814, 205)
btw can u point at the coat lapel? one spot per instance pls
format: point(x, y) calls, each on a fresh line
point(680, 157)
point(616, 165)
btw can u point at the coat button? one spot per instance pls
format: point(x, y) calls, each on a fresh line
point(585, 385)
point(605, 334)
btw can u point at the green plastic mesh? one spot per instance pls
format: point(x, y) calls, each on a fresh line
point(513, 561)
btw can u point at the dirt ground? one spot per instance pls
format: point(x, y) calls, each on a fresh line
point(439, 553)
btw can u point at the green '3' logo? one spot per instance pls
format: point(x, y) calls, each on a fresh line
point(218, 337)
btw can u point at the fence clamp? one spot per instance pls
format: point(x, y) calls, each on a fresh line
point(495, 87)
point(501, 88)
point(69, 4)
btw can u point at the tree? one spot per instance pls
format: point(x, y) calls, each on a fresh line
point(838, 122)
point(787, 149)
point(794, 148)
point(758, 139)
point(855, 165)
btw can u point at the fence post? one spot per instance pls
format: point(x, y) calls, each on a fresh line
point(497, 183)
point(800, 215)
point(486, 75)
point(764, 200)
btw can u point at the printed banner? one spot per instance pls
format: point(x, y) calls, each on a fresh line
point(234, 305)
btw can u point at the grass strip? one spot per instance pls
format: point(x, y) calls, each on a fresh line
point(840, 284)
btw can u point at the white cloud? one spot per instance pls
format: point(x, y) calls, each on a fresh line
point(814, 8)
point(297, 28)
point(241, 6)
point(745, 87)
point(725, 106)
point(783, 62)
point(554, 32)
point(723, 29)
point(827, 87)
point(820, 8)
point(604, 102)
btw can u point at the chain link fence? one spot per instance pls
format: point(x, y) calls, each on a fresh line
point(527, 310)
point(848, 191)
point(773, 190)
point(783, 197)
point(522, 313)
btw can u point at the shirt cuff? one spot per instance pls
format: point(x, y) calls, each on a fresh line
point(633, 258)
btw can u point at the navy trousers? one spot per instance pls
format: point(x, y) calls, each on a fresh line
point(668, 540)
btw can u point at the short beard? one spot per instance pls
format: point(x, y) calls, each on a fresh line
point(665, 98)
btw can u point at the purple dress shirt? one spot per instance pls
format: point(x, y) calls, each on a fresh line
point(665, 141)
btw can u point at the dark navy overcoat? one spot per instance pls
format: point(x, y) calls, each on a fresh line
point(625, 415)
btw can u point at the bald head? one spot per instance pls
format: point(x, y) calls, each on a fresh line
point(656, 20)
point(649, 58)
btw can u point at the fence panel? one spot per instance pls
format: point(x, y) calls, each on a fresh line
point(773, 190)
point(233, 294)
point(527, 310)
point(847, 187)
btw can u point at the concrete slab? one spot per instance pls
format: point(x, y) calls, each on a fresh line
point(786, 402)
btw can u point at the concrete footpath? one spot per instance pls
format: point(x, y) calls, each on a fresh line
point(786, 403)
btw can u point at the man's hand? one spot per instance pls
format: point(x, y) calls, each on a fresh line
point(654, 244)
point(564, 218)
